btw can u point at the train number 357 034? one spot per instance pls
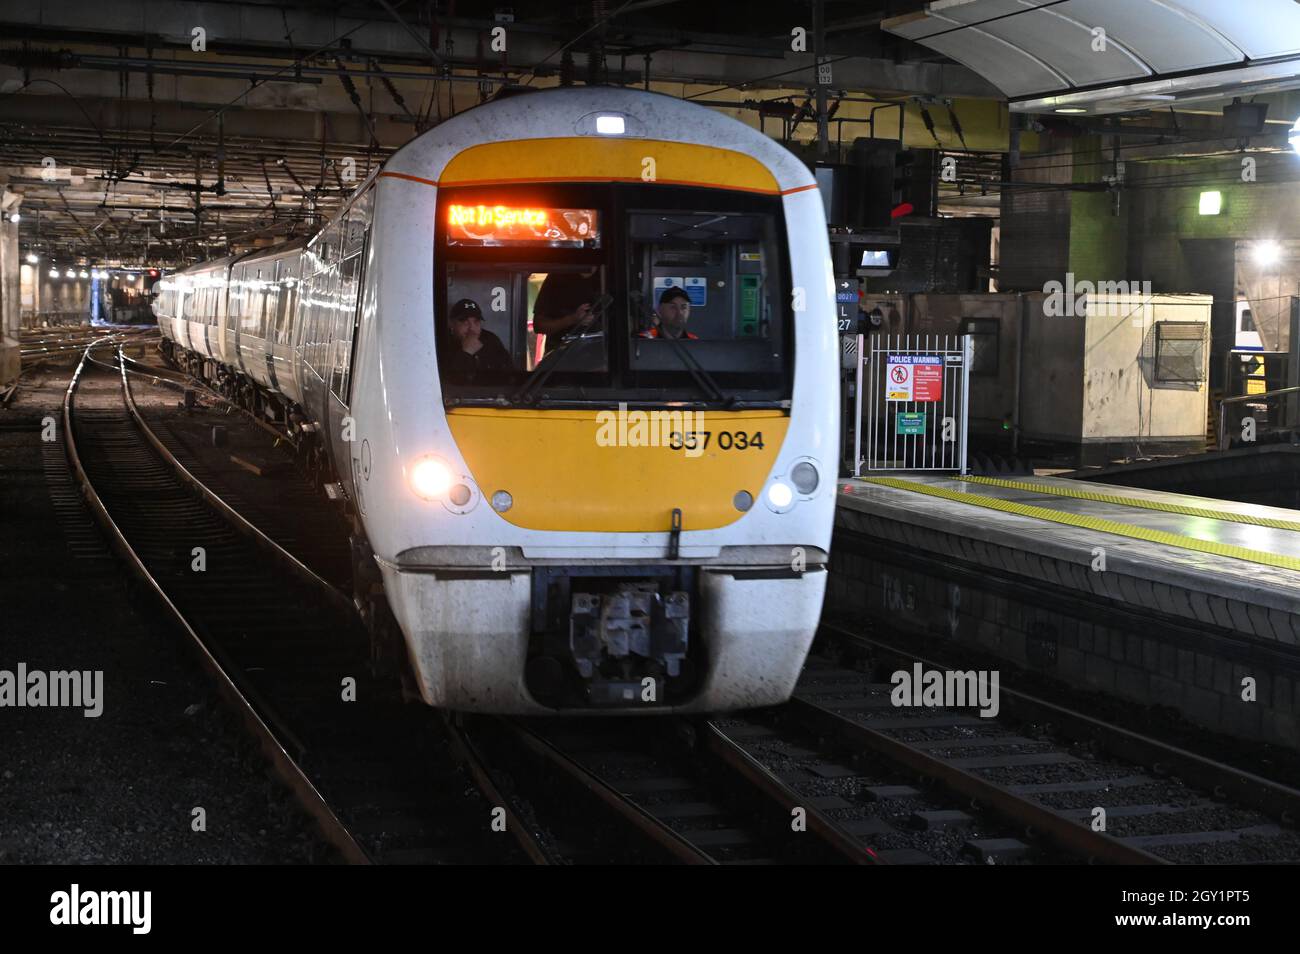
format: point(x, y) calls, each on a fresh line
point(723, 440)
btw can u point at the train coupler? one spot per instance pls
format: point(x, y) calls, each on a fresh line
point(634, 622)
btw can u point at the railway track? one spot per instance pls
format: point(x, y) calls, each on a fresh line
point(380, 779)
point(72, 342)
point(293, 518)
point(700, 792)
point(1072, 783)
point(178, 443)
point(660, 791)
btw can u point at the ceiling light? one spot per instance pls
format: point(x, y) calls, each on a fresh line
point(1266, 253)
point(32, 258)
point(14, 217)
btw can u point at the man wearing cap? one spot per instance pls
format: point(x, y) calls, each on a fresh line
point(673, 312)
point(471, 351)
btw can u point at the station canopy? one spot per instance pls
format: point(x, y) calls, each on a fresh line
point(1050, 56)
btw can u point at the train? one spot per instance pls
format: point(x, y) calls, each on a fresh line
point(570, 361)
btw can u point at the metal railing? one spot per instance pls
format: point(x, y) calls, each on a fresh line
point(913, 399)
point(1285, 417)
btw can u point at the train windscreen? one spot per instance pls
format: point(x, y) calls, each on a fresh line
point(598, 293)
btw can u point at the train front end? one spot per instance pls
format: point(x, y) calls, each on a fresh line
point(598, 457)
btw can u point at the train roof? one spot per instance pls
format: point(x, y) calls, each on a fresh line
point(568, 112)
point(257, 254)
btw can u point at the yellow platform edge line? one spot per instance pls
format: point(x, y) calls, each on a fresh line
point(1094, 523)
point(1055, 490)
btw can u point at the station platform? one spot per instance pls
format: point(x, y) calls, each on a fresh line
point(1165, 599)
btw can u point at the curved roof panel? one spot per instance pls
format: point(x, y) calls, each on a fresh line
point(1046, 49)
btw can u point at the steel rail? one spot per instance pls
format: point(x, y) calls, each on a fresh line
point(284, 765)
point(469, 755)
point(340, 600)
point(762, 778)
point(1067, 834)
point(638, 818)
point(1225, 781)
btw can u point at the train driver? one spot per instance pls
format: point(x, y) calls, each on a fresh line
point(565, 305)
point(472, 351)
point(673, 313)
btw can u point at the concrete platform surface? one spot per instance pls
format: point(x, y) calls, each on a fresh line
point(1254, 560)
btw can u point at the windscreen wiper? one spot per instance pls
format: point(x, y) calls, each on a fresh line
point(702, 378)
point(535, 383)
point(525, 394)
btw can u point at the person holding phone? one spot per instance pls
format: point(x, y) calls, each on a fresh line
point(565, 306)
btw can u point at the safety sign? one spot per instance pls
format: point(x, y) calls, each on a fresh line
point(697, 290)
point(914, 377)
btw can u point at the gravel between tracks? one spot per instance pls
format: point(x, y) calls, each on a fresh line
point(120, 788)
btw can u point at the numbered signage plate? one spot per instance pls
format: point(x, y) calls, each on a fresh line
point(909, 423)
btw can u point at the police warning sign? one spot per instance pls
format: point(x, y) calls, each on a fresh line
point(914, 377)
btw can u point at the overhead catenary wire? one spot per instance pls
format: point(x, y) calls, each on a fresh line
point(597, 24)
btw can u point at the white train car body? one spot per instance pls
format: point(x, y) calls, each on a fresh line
point(611, 523)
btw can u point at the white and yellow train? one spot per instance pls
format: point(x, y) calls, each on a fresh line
point(613, 519)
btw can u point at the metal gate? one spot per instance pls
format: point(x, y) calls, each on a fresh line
point(913, 398)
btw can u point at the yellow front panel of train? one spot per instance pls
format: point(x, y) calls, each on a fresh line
point(574, 159)
point(619, 471)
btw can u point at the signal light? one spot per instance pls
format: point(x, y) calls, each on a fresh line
point(804, 476)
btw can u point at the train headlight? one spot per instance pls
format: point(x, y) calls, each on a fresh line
point(804, 477)
point(779, 496)
point(502, 501)
point(431, 478)
point(607, 122)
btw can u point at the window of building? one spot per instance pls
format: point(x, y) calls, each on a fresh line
point(1180, 352)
